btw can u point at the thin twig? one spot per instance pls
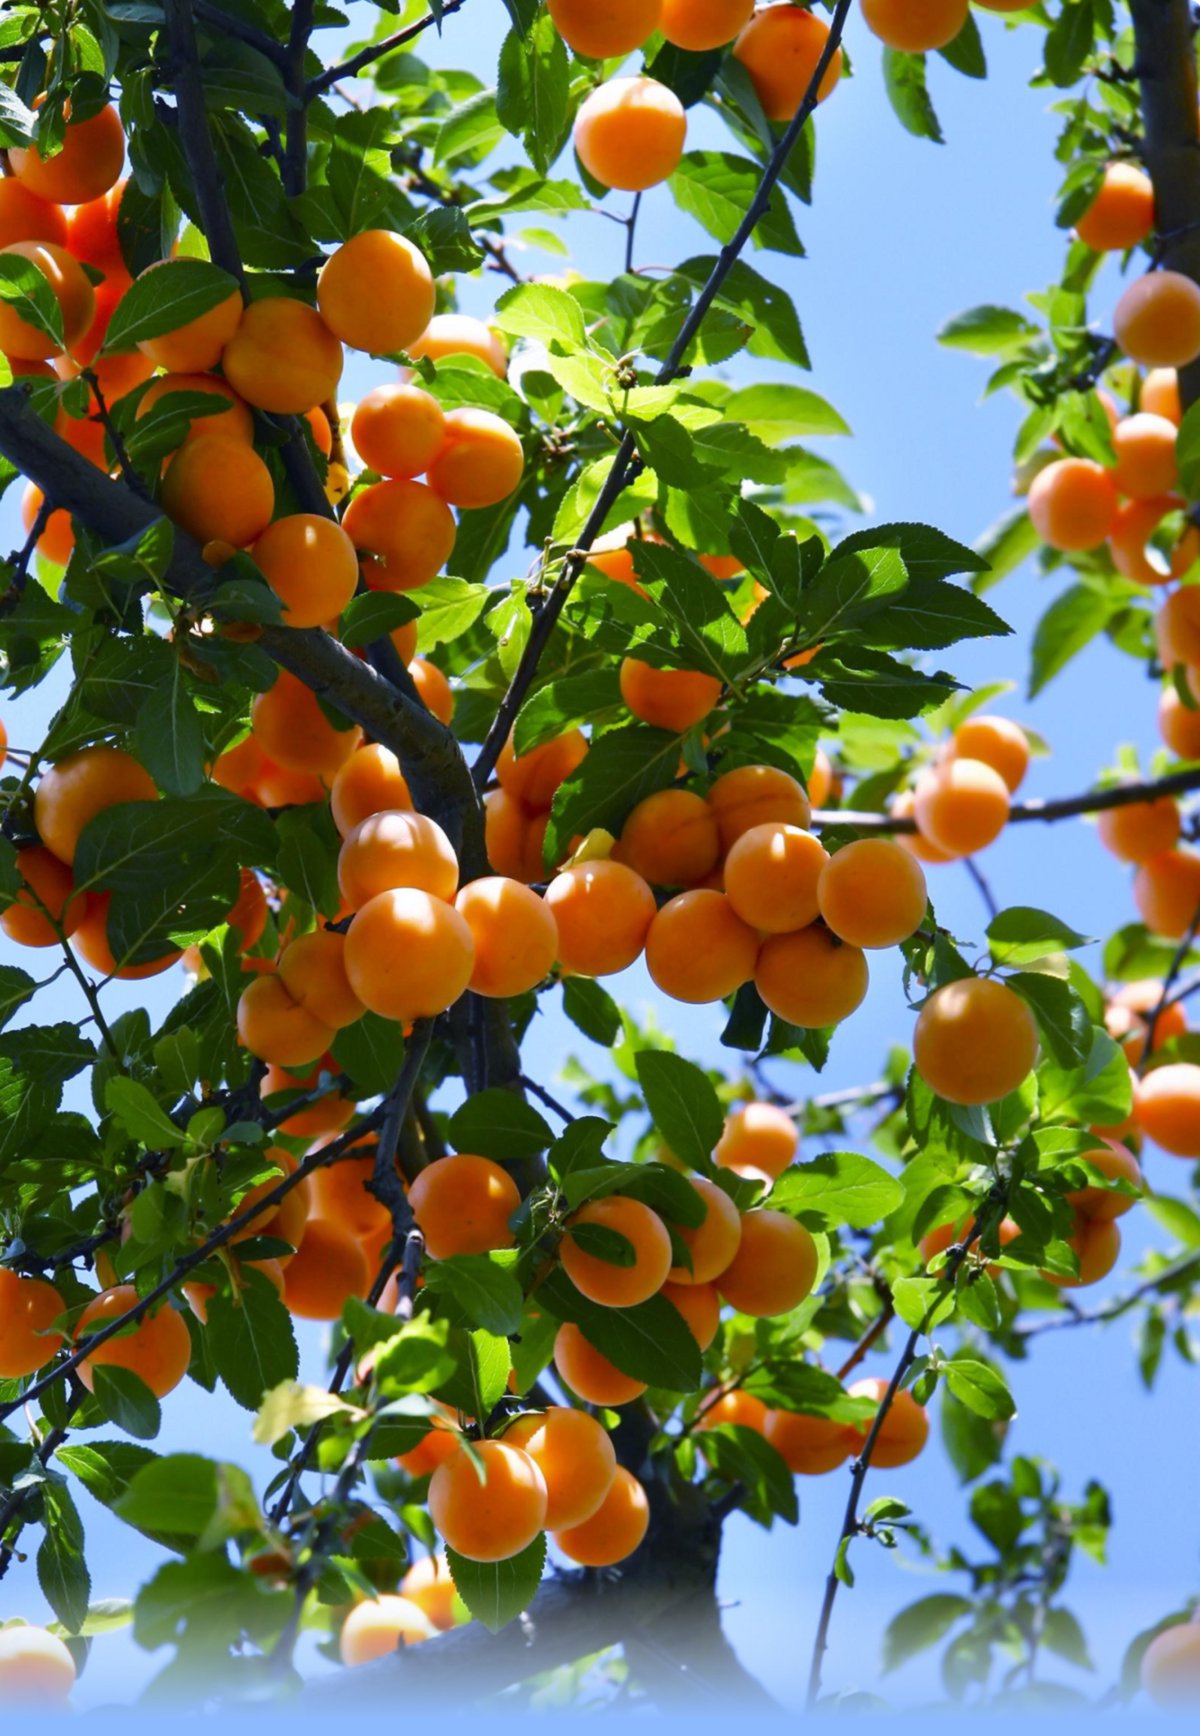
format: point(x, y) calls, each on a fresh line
point(984, 889)
point(543, 1096)
point(1094, 801)
point(129, 475)
point(1168, 983)
point(869, 1339)
point(1182, 1268)
point(295, 151)
point(376, 50)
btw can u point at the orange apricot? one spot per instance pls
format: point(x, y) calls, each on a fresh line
point(774, 1268)
point(283, 357)
point(463, 1205)
point(575, 1456)
point(313, 970)
point(57, 539)
point(698, 949)
point(1122, 213)
point(513, 835)
point(916, 843)
point(249, 910)
point(1117, 1163)
point(74, 790)
point(490, 1503)
point(433, 689)
point(962, 805)
point(197, 344)
point(1177, 627)
point(393, 849)
point(781, 48)
point(291, 729)
point(998, 742)
point(915, 26)
point(36, 1668)
point(534, 777)
point(612, 555)
point(369, 782)
point(26, 217)
point(327, 1269)
point(700, 1306)
point(1157, 320)
point(671, 839)
point(975, 1041)
point(46, 904)
point(229, 416)
point(481, 460)
point(1179, 725)
point(341, 1195)
point(1145, 448)
point(459, 334)
point(441, 1443)
point(614, 1531)
point(1134, 554)
point(378, 1626)
point(428, 1584)
point(398, 430)
point(158, 1349)
point(1170, 1668)
point(673, 699)
point(590, 1375)
point(822, 780)
point(604, 32)
point(1168, 1109)
point(328, 1115)
point(758, 1142)
point(375, 292)
point(1139, 830)
point(1166, 890)
point(1073, 502)
point(516, 939)
point(753, 796)
point(1096, 1243)
point(275, 1027)
point(603, 912)
point(72, 291)
point(713, 1242)
point(28, 1309)
point(904, 1431)
point(310, 564)
point(699, 25)
point(630, 133)
point(408, 955)
point(218, 488)
point(809, 978)
point(93, 234)
point(808, 1445)
point(405, 531)
point(596, 1276)
point(771, 877)
point(736, 1409)
point(1126, 1018)
point(1160, 394)
point(872, 893)
point(86, 166)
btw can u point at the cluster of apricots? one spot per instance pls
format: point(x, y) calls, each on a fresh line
point(961, 803)
point(812, 1445)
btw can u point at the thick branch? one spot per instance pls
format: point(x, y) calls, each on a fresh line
point(196, 139)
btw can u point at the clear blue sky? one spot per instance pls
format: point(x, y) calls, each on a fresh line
point(903, 234)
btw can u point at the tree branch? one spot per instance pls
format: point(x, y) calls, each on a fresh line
point(215, 217)
point(376, 50)
point(295, 153)
point(1187, 1267)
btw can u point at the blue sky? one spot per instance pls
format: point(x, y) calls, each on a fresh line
point(902, 235)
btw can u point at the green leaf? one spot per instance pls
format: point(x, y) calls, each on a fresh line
point(1070, 41)
point(683, 1105)
point(1187, 452)
point(1177, 1217)
point(171, 295)
point(28, 294)
point(533, 93)
point(252, 1340)
point(651, 1342)
point(16, 987)
point(486, 1293)
point(921, 1625)
point(980, 1387)
point(1061, 1015)
point(61, 1568)
point(373, 616)
point(1072, 621)
point(1021, 935)
point(742, 1456)
point(1097, 1094)
point(1006, 545)
point(1062, 1633)
point(177, 1493)
point(499, 1124)
point(779, 412)
point(592, 1010)
point(965, 53)
point(988, 331)
point(538, 310)
point(996, 1511)
point(717, 189)
point(621, 768)
point(848, 589)
point(904, 79)
point(842, 1186)
point(496, 1592)
point(141, 1116)
point(370, 1052)
point(768, 312)
point(127, 1401)
point(592, 697)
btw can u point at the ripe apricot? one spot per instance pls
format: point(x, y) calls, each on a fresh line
point(1096, 1243)
point(375, 292)
point(404, 530)
point(1170, 1668)
point(442, 1441)
point(369, 782)
point(36, 1668)
point(398, 430)
point(713, 1243)
point(1127, 1014)
point(823, 782)
point(313, 970)
point(673, 699)
point(26, 217)
point(1157, 320)
point(1166, 890)
point(393, 849)
point(433, 689)
point(72, 290)
point(703, 24)
point(915, 26)
point(975, 1041)
point(671, 839)
point(195, 346)
point(603, 32)
point(92, 232)
point(218, 488)
point(630, 133)
point(590, 1375)
point(774, 1268)
point(428, 1584)
point(459, 334)
point(1122, 213)
point(1139, 830)
point(596, 1276)
point(1073, 502)
point(534, 777)
point(916, 843)
point(492, 1512)
point(698, 949)
point(463, 1205)
point(603, 912)
point(612, 555)
point(328, 1115)
point(809, 978)
point(282, 356)
point(481, 460)
point(379, 1626)
point(45, 905)
point(1160, 394)
point(1133, 553)
point(1118, 1163)
point(291, 729)
point(57, 539)
point(1177, 627)
point(872, 893)
point(944, 1236)
point(758, 1142)
point(575, 1456)
point(700, 1306)
point(1168, 1109)
point(340, 1195)
point(275, 1027)
point(311, 565)
point(408, 955)
point(736, 1409)
point(771, 877)
point(327, 1269)
point(781, 48)
point(158, 1349)
point(516, 939)
point(1145, 448)
point(229, 416)
point(86, 166)
point(1179, 725)
point(962, 805)
point(808, 1445)
point(614, 1531)
point(756, 796)
point(513, 835)
point(74, 790)
point(903, 1433)
point(28, 1309)
point(998, 742)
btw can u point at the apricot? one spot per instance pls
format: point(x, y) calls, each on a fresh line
point(1179, 725)
point(276, 1028)
point(158, 1349)
point(28, 1309)
point(283, 357)
point(614, 1531)
point(736, 1409)
point(74, 790)
point(45, 906)
point(408, 955)
point(92, 232)
point(513, 835)
point(822, 781)
point(1177, 627)
point(516, 938)
point(311, 565)
point(72, 290)
point(597, 1277)
point(1168, 1109)
point(771, 877)
point(463, 1205)
point(488, 1504)
point(588, 1373)
point(481, 460)
point(1145, 448)
point(393, 849)
point(35, 1666)
point(534, 777)
point(809, 978)
point(612, 555)
point(57, 539)
point(370, 782)
point(672, 699)
point(756, 796)
point(915, 26)
point(375, 292)
point(758, 1143)
point(1170, 1668)
point(1103, 1203)
point(603, 913)
point(1096, 1243)
point(1133, 554)
point(699, 25)
point(575, 1456)
point(1157, 320)
point(86, 166)
point(698, 949)
point(229, 416)
point(379, 1626)
point(781, 48)
point(434, 1448)
point(996, 741)
point(1166, 890)
point(428, 1584)
point(218, 488)
point(328, 1115)
point(916, 843)
point(327, 1269)
point(671, 839)
point(808, 1445)
point(713, 1242)
point(404, 530)
point(459, 334)
point(603, 32)
point(975, 1041)
point(341, 1196)
point(198, 1296)
point(433, 689)
point(1122, 213)
point(904, 1431)
point(962, 806)
point(872, 893)
point(291, 729)
point(91, 942)
point(774, 1268)
point(1073, 502)
point(1160, 394)
point(197, 344)
point(26, 217)
point(700, 1306)
point(630, 133)
point(1139, 830)
point(398, 430)
point(312, 968)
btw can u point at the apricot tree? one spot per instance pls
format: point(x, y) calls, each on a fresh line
point(378, 804)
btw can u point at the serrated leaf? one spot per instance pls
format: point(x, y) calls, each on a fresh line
point(496, 1592)
point(843, 1186)
point(683, 1105)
